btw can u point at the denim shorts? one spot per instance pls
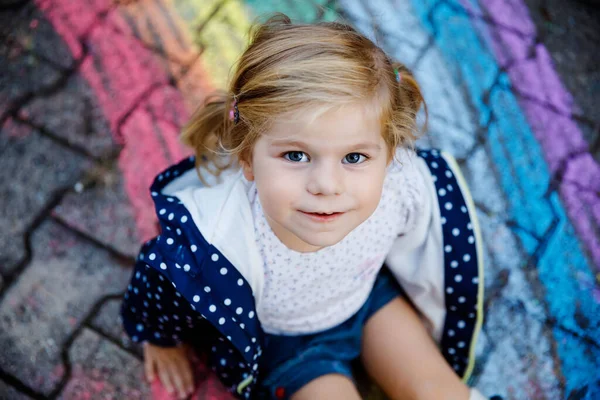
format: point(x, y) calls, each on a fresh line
point(290, 362)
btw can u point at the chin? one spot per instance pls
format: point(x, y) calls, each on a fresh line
point(323, 240)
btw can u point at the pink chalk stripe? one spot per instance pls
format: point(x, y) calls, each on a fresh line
point(128, 81)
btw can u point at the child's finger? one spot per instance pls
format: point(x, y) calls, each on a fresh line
point(149, 368)
point(187, 378)
point(165, 378)
point(178, 382)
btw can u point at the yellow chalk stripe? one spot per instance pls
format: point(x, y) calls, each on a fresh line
point(157, 25)
point(222, 34)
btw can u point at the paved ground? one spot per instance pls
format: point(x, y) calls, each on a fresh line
point(92, 94)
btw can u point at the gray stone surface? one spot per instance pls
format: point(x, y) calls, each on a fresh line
point(138, 80)
point(101, 370)
point(389, 23)
point(444, 135)
point(158, 30)
point(481, 176)
point(33, 170)
point(73, 115)
point(108, 322)
point(102, 210)
point(445, 98)
point(39, 312)
point(10, 393)
point(569, 29)
point(507, 274)
point(32, 56)
point(520, 365)
point(28, 28)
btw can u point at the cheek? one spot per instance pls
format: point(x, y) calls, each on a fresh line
point(277, 189)
point(369, 191)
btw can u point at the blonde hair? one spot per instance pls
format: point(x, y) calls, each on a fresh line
point(288, 67)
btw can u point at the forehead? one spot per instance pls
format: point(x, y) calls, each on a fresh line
point(338, 126)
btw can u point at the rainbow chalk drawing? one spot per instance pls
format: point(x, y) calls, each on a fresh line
point(495, 102)
point(531, 156)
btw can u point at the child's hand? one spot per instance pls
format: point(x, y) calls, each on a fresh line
point(172, 366)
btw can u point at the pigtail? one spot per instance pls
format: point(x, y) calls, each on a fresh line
point(409, 90)
point(207, 132)
point(409, 102)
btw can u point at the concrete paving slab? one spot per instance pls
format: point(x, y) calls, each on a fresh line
point(108, 321)
point(510, 44)
point(152, 146)
point(102, 210)
point(480, 173)
point(10, 393)
point(33, 172)
point(569, 29)
point(524, 177)
point(443, 94)
point(540, 325)
point(517, 22)
point(508, 277)
point(455, 140)
point(159, 30)
point(22, 72)
point(520, 365)
point(101, 370)
point(166, 105)
point(74, 20)
point(120, 71)
point(39, 312)
point(505, 261)
point(27, 28)
point(580, 189)
point(72, 113)
point(221, 29)
point(391, 25)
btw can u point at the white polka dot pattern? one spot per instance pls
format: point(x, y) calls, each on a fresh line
point(461, 272)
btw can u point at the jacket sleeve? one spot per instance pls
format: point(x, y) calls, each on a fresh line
point(153, 310)
point(439, 261)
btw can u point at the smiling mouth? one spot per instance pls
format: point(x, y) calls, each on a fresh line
point(322, 217)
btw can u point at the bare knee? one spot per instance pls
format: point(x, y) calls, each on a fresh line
point(330, 386)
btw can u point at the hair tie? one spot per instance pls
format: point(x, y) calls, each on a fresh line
point(234, 113)
point(398, 76)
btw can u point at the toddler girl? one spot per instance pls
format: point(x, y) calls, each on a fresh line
point(307, 233)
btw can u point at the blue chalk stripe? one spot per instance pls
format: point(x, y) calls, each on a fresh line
point(524, 176)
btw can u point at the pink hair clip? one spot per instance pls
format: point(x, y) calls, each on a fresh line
point(234, 113)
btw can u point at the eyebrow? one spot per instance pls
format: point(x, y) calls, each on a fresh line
point(297, 143)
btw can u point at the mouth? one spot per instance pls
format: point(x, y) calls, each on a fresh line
point(323, 216)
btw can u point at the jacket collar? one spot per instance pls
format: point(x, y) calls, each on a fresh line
point(221, 212)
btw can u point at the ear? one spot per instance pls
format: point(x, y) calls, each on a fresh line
point(247, 170)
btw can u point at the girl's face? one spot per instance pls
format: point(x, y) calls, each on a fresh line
point(318, 180)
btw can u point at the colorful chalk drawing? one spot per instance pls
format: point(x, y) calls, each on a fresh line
point(503, 112)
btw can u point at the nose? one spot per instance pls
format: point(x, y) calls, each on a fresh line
point(326, 179)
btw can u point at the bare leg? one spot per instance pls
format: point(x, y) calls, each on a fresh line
point(328, 387)
point(403, 359)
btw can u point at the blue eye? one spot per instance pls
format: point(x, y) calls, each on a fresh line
point(296, 156)
point(355, 158)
